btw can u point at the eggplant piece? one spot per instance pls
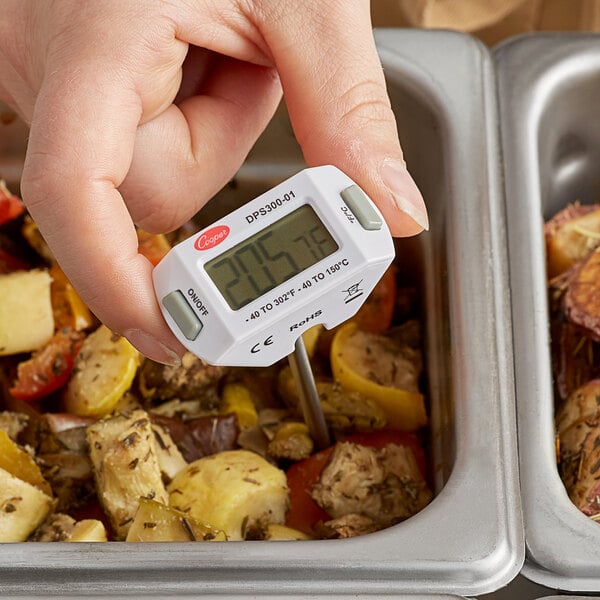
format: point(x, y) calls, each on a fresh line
point(200, 436)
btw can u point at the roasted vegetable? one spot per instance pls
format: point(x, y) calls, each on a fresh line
point(582, 298)
point(49, 368)
point(153, 246)
point(96, 439)
point(344, 410)
point(573, 255)
point(201, 436)
point(277, 533)
point(237, 492)
point(104, 370)
point(26, 318)
point(22, 508)
point(59, 527)
point(237, 399)
point(20, 464)
point(291, 441)
point(388, 373)
point(193, 379)
point(68, 308)
point(578, 430)
point(35, 239)
point(570, 236)
point(375, 315)
point(88, 530)
point(10, 205)
point(157, 522)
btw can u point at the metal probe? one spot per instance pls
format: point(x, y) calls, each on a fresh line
point(309, 397)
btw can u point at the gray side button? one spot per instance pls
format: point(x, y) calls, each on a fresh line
point(361, 208)
point(183, 314)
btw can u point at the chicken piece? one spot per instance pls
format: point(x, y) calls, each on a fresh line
point(384, 485)
point(381, 359)
point(124, 452)
point(170, 459)
point(62, 454)
point(348, 526)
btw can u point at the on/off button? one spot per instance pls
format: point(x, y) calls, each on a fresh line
point(183, 314)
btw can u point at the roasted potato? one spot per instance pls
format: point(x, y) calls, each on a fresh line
point(237, 492)
point(570, 236)
point(26, 317)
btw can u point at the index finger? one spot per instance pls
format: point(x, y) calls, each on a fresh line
point(336, 94)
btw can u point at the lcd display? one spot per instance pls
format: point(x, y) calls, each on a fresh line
point(270, 257)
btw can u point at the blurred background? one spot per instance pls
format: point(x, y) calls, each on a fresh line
point(490, 20)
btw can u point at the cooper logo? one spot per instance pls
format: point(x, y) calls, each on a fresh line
point(211, 237)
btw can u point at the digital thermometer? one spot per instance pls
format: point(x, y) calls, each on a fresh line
point(242, 291)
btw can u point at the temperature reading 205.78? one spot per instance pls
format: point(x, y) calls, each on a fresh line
point(275, 254)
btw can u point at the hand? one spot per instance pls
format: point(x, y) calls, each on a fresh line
point(141, 110)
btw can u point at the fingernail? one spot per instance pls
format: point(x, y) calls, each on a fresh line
point(404, 191)
point(149, 346)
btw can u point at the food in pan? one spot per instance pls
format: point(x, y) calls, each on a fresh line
point(98, 443)
point(573, 260)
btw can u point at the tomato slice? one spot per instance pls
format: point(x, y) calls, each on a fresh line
point(49, 368)
point(376, 314)
point(10, 205)
point(304, 513)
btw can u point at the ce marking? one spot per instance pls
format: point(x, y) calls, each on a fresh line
point(258, 347)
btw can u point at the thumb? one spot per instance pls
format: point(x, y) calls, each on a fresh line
point(339, 107)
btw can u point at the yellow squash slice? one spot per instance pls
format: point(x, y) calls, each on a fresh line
point(377, 374)
point(104, 370)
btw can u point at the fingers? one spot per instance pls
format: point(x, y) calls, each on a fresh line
point(337, 99)
point(80, 146)
point(194, 148)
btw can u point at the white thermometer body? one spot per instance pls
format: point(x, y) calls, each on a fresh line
point(308, 251)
